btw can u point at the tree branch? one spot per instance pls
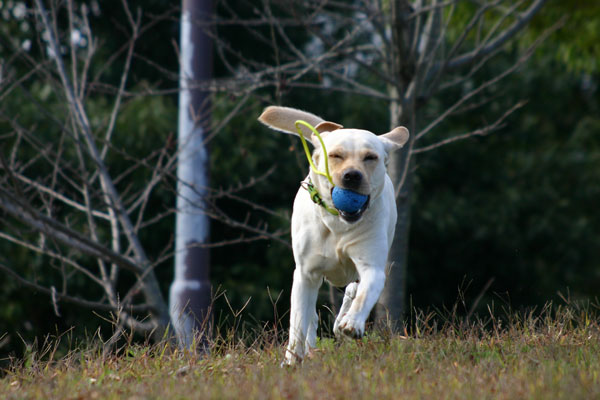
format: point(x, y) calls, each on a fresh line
point(478, 132)
point(524, 57)
point(62, 233)
point(502, 38)
point(83, 123)
point(67, 298)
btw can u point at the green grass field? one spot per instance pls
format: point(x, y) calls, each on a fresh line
point(554, 354)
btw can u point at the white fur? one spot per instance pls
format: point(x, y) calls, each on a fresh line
point(327, 246)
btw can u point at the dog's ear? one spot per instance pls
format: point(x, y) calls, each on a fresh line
point(394, 139)
point(327, 126)
point(284, 119)
point(323, 128)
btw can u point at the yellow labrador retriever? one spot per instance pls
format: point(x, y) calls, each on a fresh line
point(348, 249)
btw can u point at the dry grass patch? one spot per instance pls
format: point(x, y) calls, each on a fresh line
point(554, 354)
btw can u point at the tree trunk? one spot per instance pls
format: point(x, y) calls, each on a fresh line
point(391, 307)
point(190, 294)
point(401, 65)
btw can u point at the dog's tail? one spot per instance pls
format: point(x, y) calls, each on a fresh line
point(284, 118)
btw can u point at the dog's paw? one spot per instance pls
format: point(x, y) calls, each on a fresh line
point(336, 326)
point(290, 359)
point(350, 327)
point(287, 364)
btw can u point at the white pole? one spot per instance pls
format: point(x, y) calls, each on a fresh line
point(190, 291)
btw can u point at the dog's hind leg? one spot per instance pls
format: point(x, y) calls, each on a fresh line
point(302, 314)
point(349, 295)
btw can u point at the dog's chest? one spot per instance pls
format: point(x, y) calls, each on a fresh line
point(329, 259)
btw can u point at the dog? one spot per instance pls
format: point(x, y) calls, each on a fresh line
point(348, 249)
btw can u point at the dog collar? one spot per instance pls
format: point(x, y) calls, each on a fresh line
point(315, 196)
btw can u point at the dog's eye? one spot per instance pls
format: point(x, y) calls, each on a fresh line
point(370, 157)
point(336, 155)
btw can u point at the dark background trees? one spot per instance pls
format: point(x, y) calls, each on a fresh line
point(514, 212)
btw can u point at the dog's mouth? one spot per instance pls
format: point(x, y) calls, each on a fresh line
point(354, 216)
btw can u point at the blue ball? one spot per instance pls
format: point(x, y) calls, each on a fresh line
point(347, 200)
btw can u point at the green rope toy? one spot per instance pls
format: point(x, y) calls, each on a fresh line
point(309, 186)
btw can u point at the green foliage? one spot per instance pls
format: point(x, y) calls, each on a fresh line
point(576, 44)
point(519, 205)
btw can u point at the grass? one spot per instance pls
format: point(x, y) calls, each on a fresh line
point(554, 354)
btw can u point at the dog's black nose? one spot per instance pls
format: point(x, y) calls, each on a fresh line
point(352, 178)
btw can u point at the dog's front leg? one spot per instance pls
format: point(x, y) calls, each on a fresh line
point(368, 291)
point(349, 295)
point(302, 316)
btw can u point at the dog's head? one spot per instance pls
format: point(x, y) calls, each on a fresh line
point(357, 158)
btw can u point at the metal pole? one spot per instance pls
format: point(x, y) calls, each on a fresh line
point(190, 293)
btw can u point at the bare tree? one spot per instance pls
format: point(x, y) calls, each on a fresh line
point(423, 62)
point(73, 194)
